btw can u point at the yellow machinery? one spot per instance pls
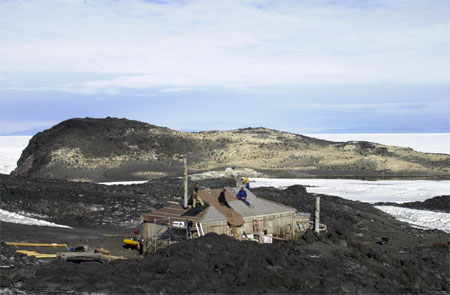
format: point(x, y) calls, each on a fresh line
point(134, 242)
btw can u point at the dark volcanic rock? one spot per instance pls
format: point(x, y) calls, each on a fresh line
point(222, 265)
point(441, 204)
point(14, 266)
point(364, 251)
point(119, 149)
point(88, 204)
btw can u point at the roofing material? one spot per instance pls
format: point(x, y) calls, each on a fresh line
point(211, 196)
point(260, 206)
point(175, 211)
point(217, 212)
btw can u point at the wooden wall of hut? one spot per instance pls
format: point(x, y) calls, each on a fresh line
point(279, 225)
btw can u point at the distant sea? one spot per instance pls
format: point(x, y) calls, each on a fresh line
point(11, 146)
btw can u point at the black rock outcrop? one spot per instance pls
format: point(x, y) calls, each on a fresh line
point(440, 203)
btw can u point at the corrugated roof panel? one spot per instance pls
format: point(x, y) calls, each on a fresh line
point(260, 206)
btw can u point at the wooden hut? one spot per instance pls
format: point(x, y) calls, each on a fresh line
point(262, 219)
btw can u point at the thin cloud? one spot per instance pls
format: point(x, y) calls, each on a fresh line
point(231, 44)
point(176, 89)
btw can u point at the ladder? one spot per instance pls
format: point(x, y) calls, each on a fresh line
point(199, 227)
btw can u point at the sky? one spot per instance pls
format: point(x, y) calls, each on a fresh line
point(312, 66)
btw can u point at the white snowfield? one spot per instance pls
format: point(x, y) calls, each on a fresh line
point(419, 218)
point(11, 148)
point(11, 217)
point(379, 191)
point(397, 191)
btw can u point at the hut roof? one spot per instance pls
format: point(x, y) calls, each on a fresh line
point(216, 212)
point(176, 212)
point(259, 206)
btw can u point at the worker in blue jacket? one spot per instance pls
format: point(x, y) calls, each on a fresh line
point(222, 199)
point(242, 195)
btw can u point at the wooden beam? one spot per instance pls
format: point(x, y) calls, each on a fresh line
point(26, 252)
point(103, 251)
point(36, 244)
point(44, 255)
point(36, 254)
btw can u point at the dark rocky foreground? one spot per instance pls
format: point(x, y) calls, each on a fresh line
point(220, 264)
point(440, 204)
point(88, 204)
point(365, 250)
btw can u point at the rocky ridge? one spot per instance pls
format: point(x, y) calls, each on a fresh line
point(119, 149)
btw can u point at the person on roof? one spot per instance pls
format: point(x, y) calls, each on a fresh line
point(222, 199)
point(247, 182)
point(196, 197)
point(242, 195)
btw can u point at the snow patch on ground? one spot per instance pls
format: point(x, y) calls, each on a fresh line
point(32, 215)
point(124, 182)
point(11, 217)
point(229, 172)
point(419, 218)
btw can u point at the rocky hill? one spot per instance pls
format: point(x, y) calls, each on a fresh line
point(119, 149)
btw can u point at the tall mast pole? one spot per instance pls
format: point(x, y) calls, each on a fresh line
point(317, 215)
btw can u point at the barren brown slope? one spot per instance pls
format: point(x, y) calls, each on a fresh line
point(120, 149)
